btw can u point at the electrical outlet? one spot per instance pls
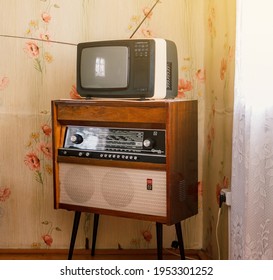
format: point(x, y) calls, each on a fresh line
point(226, 193)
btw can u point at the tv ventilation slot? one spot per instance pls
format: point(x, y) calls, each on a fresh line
point(169, 76)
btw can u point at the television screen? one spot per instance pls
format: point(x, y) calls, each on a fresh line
point(105, 67)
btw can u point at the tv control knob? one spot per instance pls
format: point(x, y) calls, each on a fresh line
point(76, 139)
point(148, 143)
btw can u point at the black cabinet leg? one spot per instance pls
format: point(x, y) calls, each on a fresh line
point(180, 240)
point(159, 238)
point(74, 234)
point(95, 231)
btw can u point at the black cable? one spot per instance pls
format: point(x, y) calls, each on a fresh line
point(37, 39)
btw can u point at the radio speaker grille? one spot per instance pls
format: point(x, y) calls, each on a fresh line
point(113, 188)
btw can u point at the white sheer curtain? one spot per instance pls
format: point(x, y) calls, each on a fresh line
point(251, 229)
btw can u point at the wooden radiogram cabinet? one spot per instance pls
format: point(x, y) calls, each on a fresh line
point(164, 192)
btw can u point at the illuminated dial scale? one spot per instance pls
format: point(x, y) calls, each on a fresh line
point(144, 145)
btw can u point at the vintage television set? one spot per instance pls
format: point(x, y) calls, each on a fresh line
point(133, 68)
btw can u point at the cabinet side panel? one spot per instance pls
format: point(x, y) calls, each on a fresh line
point(182, 161)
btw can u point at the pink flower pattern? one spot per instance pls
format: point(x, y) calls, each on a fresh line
point(47, 237)
point(147, 235)
point(39, 158)
point(46, 149)
point(46, 17)
point(32, 49)
point(4, 194)
point(184, 86)
point(201, 75)
point(32, 161)
point(223, 68)
point(40, 29)
point(192, 81)
point(46, 129)
point(4, 81)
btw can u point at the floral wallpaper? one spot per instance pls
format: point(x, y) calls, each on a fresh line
point(5, 191)
point(39, 30)
point(38, 62)
point(220, 44)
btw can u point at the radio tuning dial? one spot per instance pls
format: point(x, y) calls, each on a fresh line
point(148, 143)
point(76, 139)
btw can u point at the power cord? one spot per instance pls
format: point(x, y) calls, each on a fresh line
point(217, 239)
point(222, 199)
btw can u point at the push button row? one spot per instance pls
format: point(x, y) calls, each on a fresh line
point(114, 156)
point(101, 155)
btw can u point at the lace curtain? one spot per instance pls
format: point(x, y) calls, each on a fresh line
point(252, 162)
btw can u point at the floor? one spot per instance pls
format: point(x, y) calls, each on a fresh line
point(52, 254)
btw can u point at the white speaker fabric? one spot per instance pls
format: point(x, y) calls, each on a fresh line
point(122, 189)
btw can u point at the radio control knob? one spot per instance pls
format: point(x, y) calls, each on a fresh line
point(76, 139)
point(148, 143)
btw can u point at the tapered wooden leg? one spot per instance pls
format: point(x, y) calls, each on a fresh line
point(95, 231)
point(159, 238)
point(77, 218)
point(180, 240)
